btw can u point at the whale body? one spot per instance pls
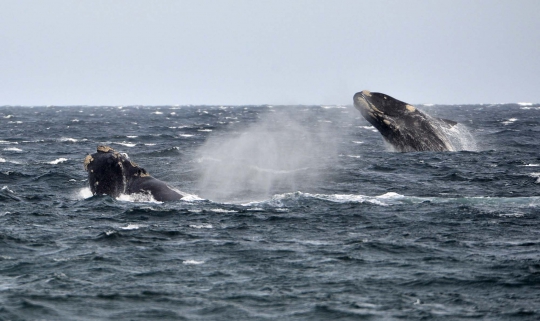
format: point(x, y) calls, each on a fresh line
point(402, 125)
point(112, 173)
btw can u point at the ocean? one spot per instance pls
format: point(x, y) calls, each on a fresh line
point(290, 213)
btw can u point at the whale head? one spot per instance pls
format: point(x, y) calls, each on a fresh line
point(110, 172)
point(402, 125)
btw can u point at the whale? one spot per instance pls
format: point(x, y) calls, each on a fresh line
point(113, 173)
point(403, 126)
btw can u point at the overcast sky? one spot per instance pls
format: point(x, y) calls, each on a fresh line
point(240, 52)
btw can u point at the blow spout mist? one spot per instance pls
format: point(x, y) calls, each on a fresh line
point(280, 153)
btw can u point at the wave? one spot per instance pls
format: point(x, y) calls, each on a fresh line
point(391, 198)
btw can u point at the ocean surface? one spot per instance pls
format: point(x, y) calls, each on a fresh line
point(290, 213)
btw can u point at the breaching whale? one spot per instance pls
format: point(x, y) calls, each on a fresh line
point(402, 125)
point(112, 173)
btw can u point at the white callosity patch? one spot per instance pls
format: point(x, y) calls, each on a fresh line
point(410, 108)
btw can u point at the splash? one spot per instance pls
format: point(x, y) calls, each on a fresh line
point(461, 138)
point(458, 136)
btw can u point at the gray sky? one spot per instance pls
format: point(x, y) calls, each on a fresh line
point(267, 52)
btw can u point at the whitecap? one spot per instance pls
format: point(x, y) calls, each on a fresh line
point(537, 176)
point(391, 195)
point(512, 215)
point(5, 188)
point(2, 160)
point(204, 130)
point(334, 107)
point(357, 142)
point(349, 198)
point(58, 161)
point(132, 136)
point(126, 144)
point(8, 116)
point(5, 142)
point(220, 210)
point(525, 104)
point(131, 227)
point(68, 139)
point(509, 121)
point(13, 149)
point(201, 226)
point(192, 262)
point(186, 135)
point(157, 113)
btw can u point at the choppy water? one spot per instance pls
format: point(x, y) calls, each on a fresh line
point(295, 213)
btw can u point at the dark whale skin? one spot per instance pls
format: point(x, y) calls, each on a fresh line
point(112, 173)
point(402, 125)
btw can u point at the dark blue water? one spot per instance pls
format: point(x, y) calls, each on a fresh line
point(292, 213)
